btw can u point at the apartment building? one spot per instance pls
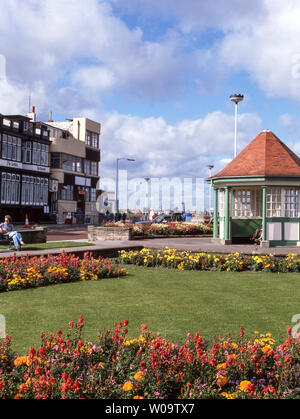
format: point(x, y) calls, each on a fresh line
point(75, 158)
point(24, 168)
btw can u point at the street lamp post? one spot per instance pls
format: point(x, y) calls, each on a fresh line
point(147, 194)
point(210, 167)
point(236, 99)
point(117, 182)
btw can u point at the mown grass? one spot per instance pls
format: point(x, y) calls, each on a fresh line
point(171, 302)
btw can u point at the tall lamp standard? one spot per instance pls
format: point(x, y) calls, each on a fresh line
point(236, 99)
point(117, 181)
point(210, 167)
point(147, 194)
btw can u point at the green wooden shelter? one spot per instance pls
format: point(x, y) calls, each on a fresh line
point(259, 188)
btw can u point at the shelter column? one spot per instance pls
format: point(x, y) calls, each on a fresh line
point(226, 231)
point(264, 213)
point(216, 210)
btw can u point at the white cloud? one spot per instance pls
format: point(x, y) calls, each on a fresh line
point(269, 50)
point(88, 50)
point(183, 149)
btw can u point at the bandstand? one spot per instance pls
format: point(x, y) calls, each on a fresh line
point(259, 188)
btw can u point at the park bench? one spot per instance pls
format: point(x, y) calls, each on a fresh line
point(30, 235)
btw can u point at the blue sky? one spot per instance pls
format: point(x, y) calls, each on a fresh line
point(157, 75)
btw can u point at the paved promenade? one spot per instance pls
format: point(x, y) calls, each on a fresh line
point(194, 244)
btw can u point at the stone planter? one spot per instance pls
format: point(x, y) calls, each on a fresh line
point(96, 233)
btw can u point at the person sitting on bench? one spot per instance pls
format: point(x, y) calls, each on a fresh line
point(8, 231)
point(257, 236)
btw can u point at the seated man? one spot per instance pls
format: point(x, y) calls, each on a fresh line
point(257, 236)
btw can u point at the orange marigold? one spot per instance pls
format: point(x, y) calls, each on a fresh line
point(128, 386)
point(244, 386)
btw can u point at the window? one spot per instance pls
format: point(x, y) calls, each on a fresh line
point(93, 195)
point(247, 202)
point(92, 139)
point(9, 147)
point(88, 138)
point(67, 193)
point(10, 189)
point(291, 202)
point(27, 152)
point(274, 202)
point(44, 161)
point(71, 163)
point(25, 126)
point(87, 167)
point(55, 160)
point(94, 168)
point(6, 122)
point(79, 165)
point(36, 153)
point(34, 191)
point(19, 149)
point(4, 146)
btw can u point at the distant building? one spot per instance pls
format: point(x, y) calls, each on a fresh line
point(24, 168)
point(75, 158)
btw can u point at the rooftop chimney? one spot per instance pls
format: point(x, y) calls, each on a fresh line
point(50, 117)
point(32, 115)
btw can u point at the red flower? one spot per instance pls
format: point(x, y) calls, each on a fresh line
point(125, 322)
point(212, 361)
point(143, 327)
point(38, 370)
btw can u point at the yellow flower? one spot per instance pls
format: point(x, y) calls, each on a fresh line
point(128, 386)
point(244, 385)
point(222, 381)
point(221, 366)
point(229, 396)
point(267, 350)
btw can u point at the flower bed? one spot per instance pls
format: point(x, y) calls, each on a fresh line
point(150, 366)
point(28, 272)
point(184, 260)
point(165, 229)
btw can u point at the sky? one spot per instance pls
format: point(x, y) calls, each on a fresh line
point(157, 75)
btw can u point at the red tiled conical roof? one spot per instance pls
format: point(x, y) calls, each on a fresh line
point(266, 155)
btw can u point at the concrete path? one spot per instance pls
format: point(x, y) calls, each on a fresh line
point(194, 244)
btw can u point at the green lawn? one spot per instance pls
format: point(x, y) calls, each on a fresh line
point(169, 301)
point(51, 245)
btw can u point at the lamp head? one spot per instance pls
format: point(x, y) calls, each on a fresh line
point(236, 98)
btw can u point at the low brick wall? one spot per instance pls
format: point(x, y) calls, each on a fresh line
point(96, 233)
point(32, 235)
